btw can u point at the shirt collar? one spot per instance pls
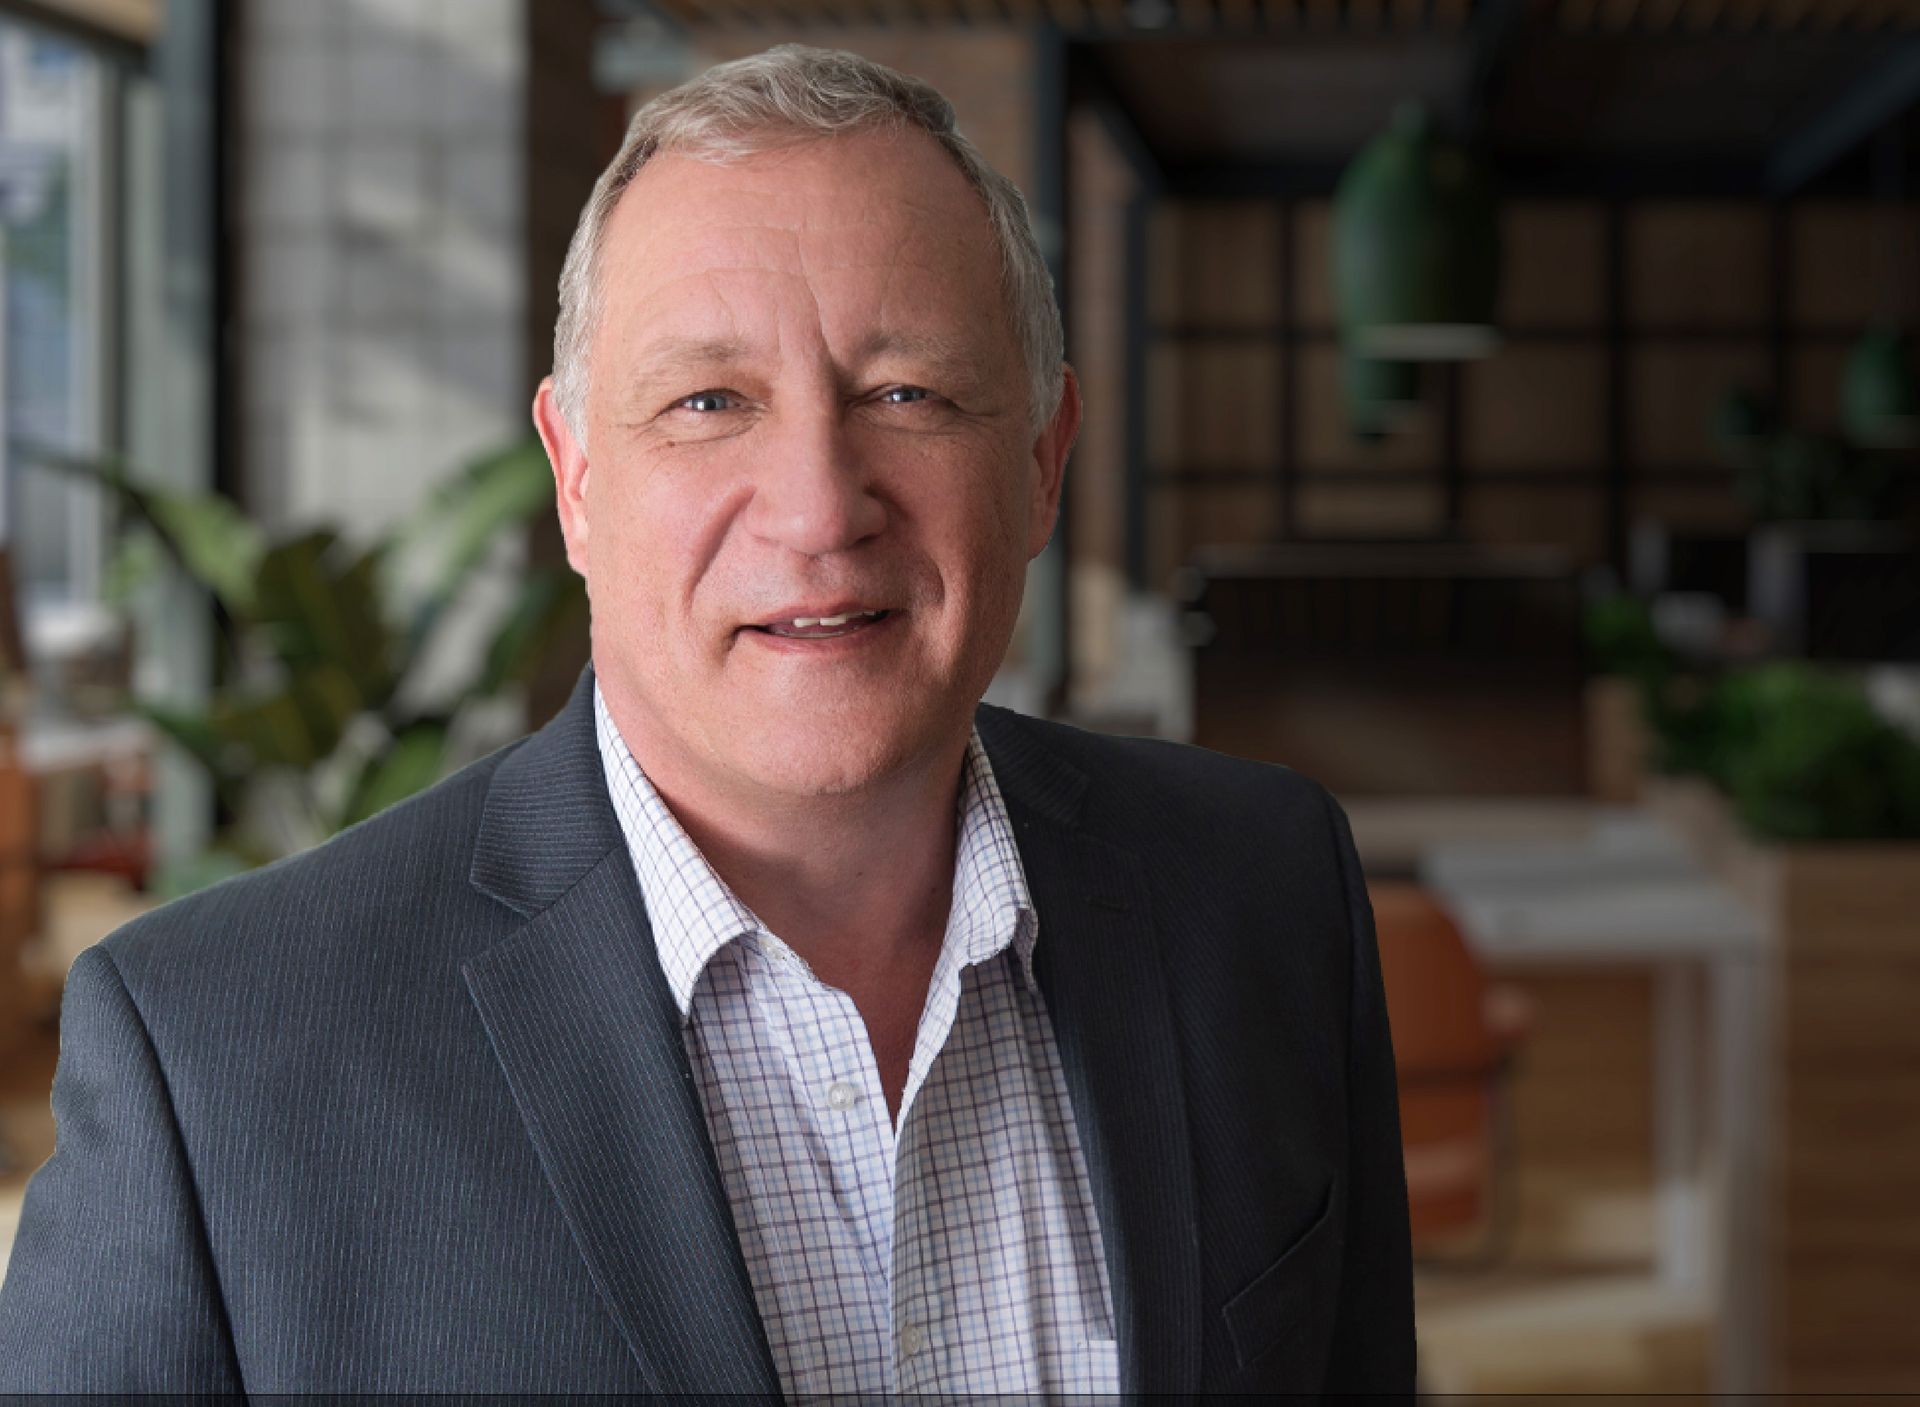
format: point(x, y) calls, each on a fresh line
point(694, 914)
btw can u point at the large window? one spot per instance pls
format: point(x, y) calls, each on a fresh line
point(55, 304)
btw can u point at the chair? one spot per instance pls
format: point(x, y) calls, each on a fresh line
point(1455, 1037)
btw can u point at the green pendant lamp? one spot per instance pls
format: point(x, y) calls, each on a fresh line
point(1416, 247)
point(1381, 395)
point(1879, 394)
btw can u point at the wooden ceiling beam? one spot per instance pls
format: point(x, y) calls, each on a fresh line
point(909, 14)
point(758, 13)
point(1240, 16)
point(679, 12)
point(729, 14)
point(1892, 88)
point(1227, 17)
point(845, 13)
point(979, 12)
point(1789, 14)
point(1699, 16)
point(1831, 14)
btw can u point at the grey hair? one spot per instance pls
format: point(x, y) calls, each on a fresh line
point(787, 93)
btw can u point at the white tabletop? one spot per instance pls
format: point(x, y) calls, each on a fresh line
point(1624, 891)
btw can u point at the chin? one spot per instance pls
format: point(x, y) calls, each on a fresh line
point(805, 753)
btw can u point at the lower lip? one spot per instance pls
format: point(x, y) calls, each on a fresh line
point(827, 646)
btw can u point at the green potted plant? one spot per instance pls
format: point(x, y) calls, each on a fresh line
point(323, 713)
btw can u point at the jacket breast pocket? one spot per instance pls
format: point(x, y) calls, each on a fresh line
point(1280, 1322)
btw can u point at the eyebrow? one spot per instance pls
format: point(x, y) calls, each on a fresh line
point(671, 359)
point(673, 355)
point(951, 360)
point(674, 351)
point(944, 351)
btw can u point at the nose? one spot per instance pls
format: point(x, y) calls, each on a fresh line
point(813, 493)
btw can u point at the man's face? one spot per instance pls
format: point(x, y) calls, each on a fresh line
point(806, 401)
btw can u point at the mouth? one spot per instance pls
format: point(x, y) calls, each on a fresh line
point(822, 627)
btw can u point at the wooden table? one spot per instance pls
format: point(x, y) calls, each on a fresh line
point(1617, 888)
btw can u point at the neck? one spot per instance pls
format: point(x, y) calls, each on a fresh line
point(858, 883)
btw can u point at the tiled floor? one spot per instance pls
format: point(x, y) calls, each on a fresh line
point(1558, 1331)
point(1569, 1305)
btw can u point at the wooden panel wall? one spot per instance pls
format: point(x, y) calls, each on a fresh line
point(1624, 325)
point(1102, 188)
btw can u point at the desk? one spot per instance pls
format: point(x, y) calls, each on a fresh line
point(1626, 893)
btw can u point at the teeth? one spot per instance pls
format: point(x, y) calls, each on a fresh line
point(804, 622)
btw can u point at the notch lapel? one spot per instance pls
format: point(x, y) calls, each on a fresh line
point(1100, 967)
point(585, 1028)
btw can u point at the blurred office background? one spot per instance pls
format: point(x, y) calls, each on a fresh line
point(1501, 410)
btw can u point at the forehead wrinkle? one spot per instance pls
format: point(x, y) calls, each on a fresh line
point(689, 349)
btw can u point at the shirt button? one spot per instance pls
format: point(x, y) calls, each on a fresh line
point(841, 1095)
point(913, 1338)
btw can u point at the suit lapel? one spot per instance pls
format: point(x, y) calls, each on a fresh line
point(585, 1028)
point(583, 1024)
point(1101, 970)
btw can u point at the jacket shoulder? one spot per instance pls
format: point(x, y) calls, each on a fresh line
point(1161, 785)
point(380, 876)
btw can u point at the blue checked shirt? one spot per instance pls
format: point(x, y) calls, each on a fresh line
point(959, 1253)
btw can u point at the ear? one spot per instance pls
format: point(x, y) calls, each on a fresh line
point(569, 460)
point(1049, 463)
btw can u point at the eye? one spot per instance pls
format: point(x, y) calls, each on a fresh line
point(705, 402)
point(905, 395)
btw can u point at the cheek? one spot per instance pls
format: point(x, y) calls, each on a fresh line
point(981, 544)
point(630, 561)
point(648, 527)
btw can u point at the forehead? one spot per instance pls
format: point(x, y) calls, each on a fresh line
point(873, 225)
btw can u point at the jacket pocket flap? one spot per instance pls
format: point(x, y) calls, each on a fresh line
point(1284, 1299)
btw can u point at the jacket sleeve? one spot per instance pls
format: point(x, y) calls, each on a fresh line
point(1373, 1337)
point(111, 1283)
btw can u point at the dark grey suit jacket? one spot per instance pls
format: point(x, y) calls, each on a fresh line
point(412, 1112)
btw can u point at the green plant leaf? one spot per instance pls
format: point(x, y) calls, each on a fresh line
point(1804, 757)
point(1621, 639)
point(137, 560)
point(550, 604)
point(410, 763)
point(295, 726)
point(195, 735)
point(207, 535)
point(219, 546)
point(208, 867)
point(270, 730)
point(462, 519)
point(315, 613)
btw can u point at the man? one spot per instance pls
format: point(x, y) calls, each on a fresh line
point(775, 1019)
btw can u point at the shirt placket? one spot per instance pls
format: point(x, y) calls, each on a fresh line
point(919, 1301)
point(830, 1058)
